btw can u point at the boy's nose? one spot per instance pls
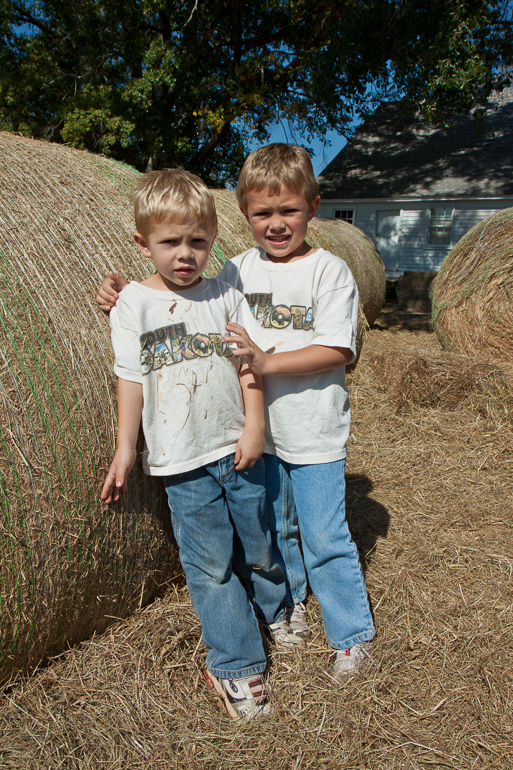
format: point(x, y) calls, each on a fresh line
point(276, 222)
point(185, 251)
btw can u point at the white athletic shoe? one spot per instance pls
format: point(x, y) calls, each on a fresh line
point(283, 635)
point(244, 698)
point(348, 662)
point(297, 621)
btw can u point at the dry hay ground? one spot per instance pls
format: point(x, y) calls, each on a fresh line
point(429, 496)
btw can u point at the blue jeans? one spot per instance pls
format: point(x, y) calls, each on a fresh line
point(219, 519)
point(311, 498)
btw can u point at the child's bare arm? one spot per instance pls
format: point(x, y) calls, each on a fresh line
point(108, 292)
point(130, 403)
point(252, 443)
point(310, 360)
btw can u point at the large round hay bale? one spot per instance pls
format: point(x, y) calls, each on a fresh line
point(68, 564)
point(472, 295)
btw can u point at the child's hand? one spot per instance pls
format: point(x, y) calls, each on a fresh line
point(249, 448)
point(108, 292)
point(255, 357)
point(117, 477)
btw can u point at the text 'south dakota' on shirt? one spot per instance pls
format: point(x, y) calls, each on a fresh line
point(172, 344)
point(279, 316)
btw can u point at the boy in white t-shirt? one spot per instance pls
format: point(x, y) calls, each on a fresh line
point(203, 423)
point(307, 301)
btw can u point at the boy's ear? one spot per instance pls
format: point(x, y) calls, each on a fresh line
point(312, 209)
point(245, 214)
point(142, 244)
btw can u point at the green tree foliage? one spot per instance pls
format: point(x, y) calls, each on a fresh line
point(190, 82)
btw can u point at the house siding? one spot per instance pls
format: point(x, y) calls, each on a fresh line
point(414, 252)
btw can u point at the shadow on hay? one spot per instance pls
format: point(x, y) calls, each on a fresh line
point(368, 520)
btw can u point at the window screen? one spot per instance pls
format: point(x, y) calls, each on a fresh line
point(345, 214)
point(440, 227)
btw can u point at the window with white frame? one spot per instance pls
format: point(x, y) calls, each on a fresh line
point(346, 215)
point(440, 221)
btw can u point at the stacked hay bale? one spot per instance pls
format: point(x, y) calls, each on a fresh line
point(68, 564)
point(413, 291)
point(472, 296)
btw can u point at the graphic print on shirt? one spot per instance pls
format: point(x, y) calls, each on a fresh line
point(279, 316)
point(172, 344)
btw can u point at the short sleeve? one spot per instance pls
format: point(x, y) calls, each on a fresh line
point(230, 274)
point(242, 315)
point(336, 315)
point(125, 341)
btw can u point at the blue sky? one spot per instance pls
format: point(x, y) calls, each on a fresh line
point(322, 155)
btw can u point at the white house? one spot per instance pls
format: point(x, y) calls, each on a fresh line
point(415, 189)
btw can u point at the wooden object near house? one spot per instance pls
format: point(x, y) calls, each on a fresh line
point(413, 291)
point(472, 294)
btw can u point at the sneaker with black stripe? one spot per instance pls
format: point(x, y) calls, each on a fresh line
point(244, 698)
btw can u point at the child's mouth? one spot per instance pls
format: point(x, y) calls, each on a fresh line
point(277, 239)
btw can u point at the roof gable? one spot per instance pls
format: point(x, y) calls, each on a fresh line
point(418, 160)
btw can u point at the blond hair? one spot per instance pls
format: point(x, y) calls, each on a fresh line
point(275, 165)
point(172, 195)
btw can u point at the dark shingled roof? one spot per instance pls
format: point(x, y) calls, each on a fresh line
point(417, 160)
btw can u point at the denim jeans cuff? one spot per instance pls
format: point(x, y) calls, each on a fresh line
point(222, 673)
point(357, 639)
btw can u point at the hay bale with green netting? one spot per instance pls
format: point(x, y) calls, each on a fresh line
point(68, 564)
point(472, 296)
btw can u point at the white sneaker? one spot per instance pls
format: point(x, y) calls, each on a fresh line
point(297, 622)
point(243, 698)
point(283, 635)
point(348, 662)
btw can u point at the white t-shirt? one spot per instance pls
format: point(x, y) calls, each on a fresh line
point(311, 301)
point(172, 343)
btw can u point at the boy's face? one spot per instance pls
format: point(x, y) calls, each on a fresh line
point(179, 252)
point(279, 222)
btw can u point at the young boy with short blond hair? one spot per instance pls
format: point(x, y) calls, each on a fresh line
point(306, 300)
point(202, 416)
